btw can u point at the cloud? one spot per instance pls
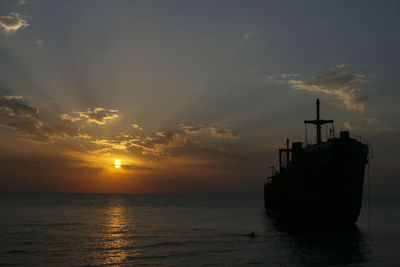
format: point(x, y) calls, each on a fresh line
point(160, 143)
point(192, 129)
point(66, 117)
point(14, 105)
point(250, 34)
point(61, 131)
point(272, 78)
point(370, 120)
point(92, 115)
point(37, 131)
point(288, 75)
point(348, 126)
point(338, 83)
point(223, 133)
point(38, 42)
point(154, 144)
point(136, 126)
point(13, 22)
point(98, 115)
point(174, 144)
point(108, 145)
point(385, 129)
point(25, 127)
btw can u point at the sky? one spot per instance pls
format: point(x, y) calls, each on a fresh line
point(191, 97)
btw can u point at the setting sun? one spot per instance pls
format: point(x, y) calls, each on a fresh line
point(117, 163)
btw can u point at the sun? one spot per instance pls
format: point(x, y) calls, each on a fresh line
point(117, 164)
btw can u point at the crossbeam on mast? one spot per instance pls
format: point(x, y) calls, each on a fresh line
point(318, 122)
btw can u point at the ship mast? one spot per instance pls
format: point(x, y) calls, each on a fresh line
point(318, 122)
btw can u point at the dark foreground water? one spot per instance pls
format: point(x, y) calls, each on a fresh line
point(97, 230)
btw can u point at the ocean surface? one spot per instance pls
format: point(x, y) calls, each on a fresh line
point(150, 230)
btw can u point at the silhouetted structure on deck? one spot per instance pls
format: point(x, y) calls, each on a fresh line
point(320, 183)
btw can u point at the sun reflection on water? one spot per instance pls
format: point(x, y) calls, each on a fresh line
point(115, 236)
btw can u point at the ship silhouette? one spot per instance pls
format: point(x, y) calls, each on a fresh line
point(321, 183)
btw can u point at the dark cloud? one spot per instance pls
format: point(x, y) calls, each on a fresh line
point(61, 131)
point(154, 144)
point(13, 22)
point(338, 83)
point(25, 127)
point(37, 131)
point(14, 105)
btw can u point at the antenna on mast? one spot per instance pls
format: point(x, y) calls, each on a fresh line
point(318, 122)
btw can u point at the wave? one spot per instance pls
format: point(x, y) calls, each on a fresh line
point(51, 224)
point(16, 251)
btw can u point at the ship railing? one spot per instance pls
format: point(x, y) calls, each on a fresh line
point(363, 141)
point(360, 139)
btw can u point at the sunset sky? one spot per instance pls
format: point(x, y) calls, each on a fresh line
point(189, 96)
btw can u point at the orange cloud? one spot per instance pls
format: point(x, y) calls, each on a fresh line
point(136, 126)
point(92, 115)
point(66, 117)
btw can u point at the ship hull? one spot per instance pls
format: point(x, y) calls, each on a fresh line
point(324, 185)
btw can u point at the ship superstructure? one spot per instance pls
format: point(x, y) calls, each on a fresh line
point(320, 183)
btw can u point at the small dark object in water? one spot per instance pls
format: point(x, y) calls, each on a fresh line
point(252, 234)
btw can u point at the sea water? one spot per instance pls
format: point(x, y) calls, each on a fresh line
point(150, 230)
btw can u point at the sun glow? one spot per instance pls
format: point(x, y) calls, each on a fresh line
point(117, 164)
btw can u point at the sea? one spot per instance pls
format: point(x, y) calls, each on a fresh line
point(184, 230)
